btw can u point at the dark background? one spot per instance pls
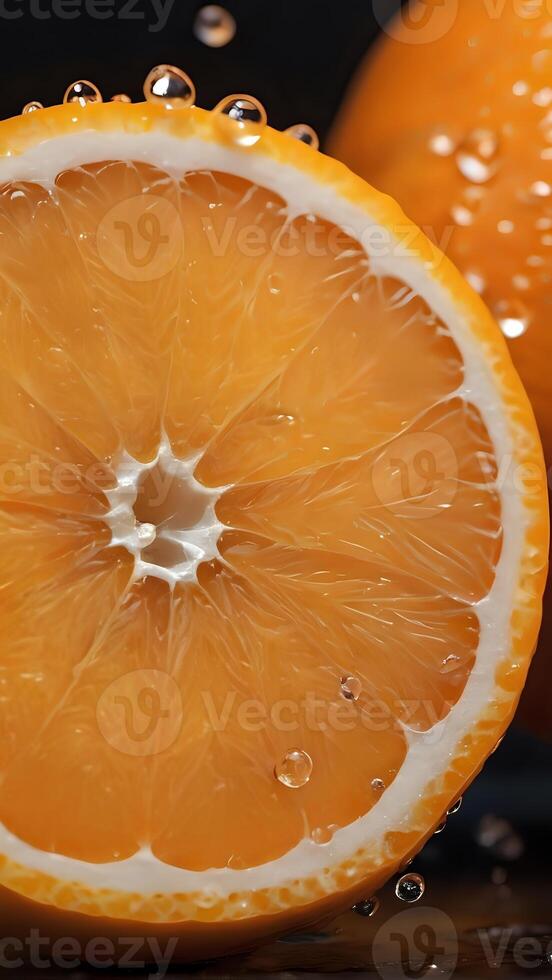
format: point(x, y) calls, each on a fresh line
point(297, 57)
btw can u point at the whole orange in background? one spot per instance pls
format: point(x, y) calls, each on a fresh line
point(452, 116)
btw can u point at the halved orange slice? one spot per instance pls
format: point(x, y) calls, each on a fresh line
point(273, 523)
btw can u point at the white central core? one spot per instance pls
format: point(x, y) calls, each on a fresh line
point(163, 516)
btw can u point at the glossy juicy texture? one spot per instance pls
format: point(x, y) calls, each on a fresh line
point(361, 519)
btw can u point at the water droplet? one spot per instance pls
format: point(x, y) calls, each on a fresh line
point(455, 807)
point(475, 158)
point(31, 107)
point(499, 876)
point(540, 188)
point(323, 835)
point(146, 534)
point(295, 769)
point(214, 26)
point(82, 92)
point(520, 282)
point(304, 133)
point(278, 418)
point(543, 97)
point(461, 215)
point(274, 283)
point(351, 687)
point(520, 88)
point(512, 316)
point(410, 887)
point(476, 281)
point(377, 785)
point(169, 86)
point(505, 227)
point(242, 108)
point(450, 663)
point(442, 144)
point(121, 97)
point(498, 836)
point(367, 907)
point(440, 827)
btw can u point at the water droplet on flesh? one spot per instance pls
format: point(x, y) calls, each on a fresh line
point(367, 907)
point(31, 107)
point(169, 86)
point(242, 108)
point(121, 97)
point(450, 663)
point(82, 92)
point(377, 785)
point(440, 827)
point(410, 887)
point(274, 283)
point(475, 158)
point(304, 133)
point(214, 26)
point(351, 687)
point(295, 769)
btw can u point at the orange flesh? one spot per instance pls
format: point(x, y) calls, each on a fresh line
point(362, 521)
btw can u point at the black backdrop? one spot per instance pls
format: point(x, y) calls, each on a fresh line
point(296, 56)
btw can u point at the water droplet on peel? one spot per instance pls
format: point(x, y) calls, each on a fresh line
point(540, 188)
point(242, 108)
point(440, 827)
point(472, 168)
point(304, 133)
point(377, 785)
point(295, 769)
point(455, 807)
point(520, 282)
point(351, 687)
point(442, 144)
point(367, 907)
point(461, 215)
point(476, 155)
point(31, 107)
point(121, 97)
point(82, 92)
point(476, 281)
point(214, 26)
point(410, 887)
point(512, 316)
point(169, 86)
point(505, 227)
